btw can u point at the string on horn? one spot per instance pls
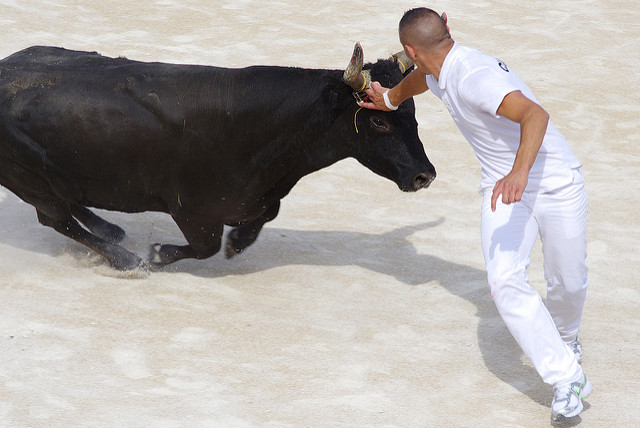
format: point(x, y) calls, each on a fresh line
point(403, 60)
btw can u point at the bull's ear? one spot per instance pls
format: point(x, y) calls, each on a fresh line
point(338, 97)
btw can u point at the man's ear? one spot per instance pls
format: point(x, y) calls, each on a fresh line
point(409, 50)
point(445, 19)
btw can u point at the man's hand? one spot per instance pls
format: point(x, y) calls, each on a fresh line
point(510, 187)
point(415, 83)
point(376, 100)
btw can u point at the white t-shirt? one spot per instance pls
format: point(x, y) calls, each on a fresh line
point(472, 86)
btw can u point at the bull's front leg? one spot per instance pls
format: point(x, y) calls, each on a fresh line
point(242, 236)
point(204, 241)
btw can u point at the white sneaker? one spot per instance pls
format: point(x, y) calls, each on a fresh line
point(576, 347)
point(567, 399)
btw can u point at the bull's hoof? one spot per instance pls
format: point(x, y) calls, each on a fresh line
point(156, 259)
point(230, 250)
point(126, 261)
point(238, 240)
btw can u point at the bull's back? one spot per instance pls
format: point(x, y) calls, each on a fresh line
point(128, 133)
point(94, 120)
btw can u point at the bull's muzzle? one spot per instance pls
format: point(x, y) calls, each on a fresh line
point(360, 80)
point(423, 180)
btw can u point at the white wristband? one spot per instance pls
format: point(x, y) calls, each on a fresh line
point(390, 106)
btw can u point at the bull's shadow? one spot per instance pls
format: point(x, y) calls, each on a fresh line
point(390, 253)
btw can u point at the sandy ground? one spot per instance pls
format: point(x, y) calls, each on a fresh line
point(359, 305)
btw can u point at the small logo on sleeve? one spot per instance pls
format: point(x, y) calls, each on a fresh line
point(503, 66)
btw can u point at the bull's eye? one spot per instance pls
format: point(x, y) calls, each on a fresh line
point(380, 124)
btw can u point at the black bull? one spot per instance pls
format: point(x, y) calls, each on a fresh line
point(210, 146)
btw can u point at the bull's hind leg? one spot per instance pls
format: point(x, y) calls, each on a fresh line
point(56, 213)
point(242, 236)
point(109, 232)
point(204, 241)
point(117, 256)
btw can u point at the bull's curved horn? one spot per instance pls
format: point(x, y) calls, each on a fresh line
point(403, 60)
point(353, 75)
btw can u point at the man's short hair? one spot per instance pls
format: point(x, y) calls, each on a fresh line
point(423, 27)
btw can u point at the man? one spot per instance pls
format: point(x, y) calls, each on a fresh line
point(531, 183)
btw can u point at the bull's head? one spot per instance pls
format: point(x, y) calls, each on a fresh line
point(388, 142)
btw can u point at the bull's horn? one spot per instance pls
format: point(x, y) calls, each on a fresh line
point(354, 76)
point(403, 60)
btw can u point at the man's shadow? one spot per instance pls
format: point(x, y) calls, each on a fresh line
point(392, 253)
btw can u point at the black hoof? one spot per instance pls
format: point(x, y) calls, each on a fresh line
point(238, 240)
point(156, 260)
point(230, 251)
point(126, 260)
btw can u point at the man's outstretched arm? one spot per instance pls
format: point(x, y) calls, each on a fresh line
point(414, 84)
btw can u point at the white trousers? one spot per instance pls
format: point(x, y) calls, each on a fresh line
point(508, 236)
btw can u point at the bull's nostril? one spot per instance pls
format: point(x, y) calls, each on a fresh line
point(422, 181)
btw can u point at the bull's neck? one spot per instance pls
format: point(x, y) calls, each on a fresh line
point(269, 124)
point(280, 115)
